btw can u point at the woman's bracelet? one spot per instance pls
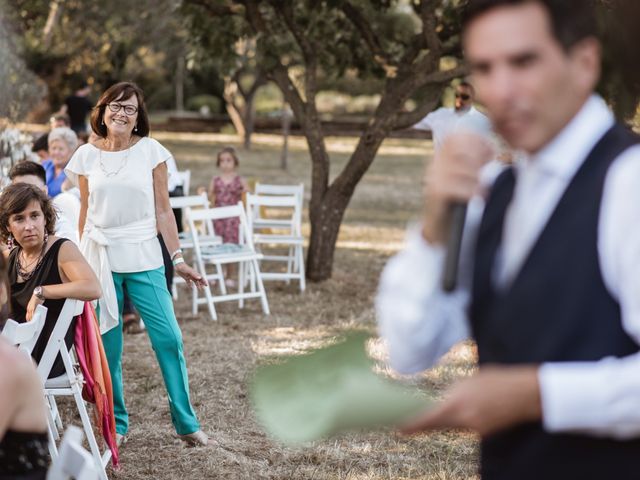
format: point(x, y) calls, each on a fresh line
point(177, 252)
point(177, 261)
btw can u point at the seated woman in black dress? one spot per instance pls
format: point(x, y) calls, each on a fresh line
point(23, 422)
point(43, 269)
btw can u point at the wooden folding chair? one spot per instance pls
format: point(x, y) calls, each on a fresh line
point(70, 382)
point(243, 253)
point(290, 237)
point(73, 461)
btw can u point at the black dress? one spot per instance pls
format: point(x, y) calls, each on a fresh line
point(46, 274)
point(23, 456)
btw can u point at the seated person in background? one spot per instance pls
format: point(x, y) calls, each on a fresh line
point(23, 421)
point(66, 204)
point(41, 144)
point(43, 269)
point(62, 143)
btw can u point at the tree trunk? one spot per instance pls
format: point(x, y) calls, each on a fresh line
point(324, 235)
point(248, 119)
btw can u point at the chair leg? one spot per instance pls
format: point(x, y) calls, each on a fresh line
point(241, 273)
point(300, 257)
point(263, 293)
point(55, 415)
point(210, 304)
point(194, 300)
point(290, 265)
point(88, 432)
point(223, 286)
point(53, 449)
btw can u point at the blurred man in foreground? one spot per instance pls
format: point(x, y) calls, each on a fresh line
point(550, 271)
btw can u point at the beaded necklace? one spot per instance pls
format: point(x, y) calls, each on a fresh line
point(123, 163)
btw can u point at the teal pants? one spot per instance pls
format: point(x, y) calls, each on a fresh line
point(148, 292)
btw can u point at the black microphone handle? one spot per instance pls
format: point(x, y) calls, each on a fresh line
point(454, 244)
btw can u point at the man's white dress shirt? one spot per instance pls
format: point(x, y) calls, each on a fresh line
point(421, 322)
point(444, 121)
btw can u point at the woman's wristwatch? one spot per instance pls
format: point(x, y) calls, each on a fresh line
point(177, 258)
point(39, 293)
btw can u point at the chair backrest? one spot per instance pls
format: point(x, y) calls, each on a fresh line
point(184, 177)
point(208, 215)
point(25, 335)
point(285, 202)
point(190, 201)
point(73, 461)
point(271, 189)
point(56, 344)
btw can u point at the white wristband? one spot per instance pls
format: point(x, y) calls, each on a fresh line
point(177, 261)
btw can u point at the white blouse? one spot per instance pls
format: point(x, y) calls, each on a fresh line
point(121, 194)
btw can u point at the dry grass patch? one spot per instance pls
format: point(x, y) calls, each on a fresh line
point(222, 355)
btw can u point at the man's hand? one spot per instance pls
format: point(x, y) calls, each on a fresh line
point(493, 399)
point(451, 177)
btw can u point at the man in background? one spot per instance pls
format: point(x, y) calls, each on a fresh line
point(444, 120)
point(78, 106)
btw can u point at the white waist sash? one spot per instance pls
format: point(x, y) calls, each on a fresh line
point(93, 246)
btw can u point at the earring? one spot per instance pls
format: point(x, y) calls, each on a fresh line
point(102, 121)
point(46, 237)
point(135, 129)
point(10, 243)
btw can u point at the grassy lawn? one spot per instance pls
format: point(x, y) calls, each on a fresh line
point(221, 355)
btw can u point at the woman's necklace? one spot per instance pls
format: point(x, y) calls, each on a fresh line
point(22, 269)
point(123, 163)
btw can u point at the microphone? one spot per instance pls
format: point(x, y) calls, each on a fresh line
point(454, 244)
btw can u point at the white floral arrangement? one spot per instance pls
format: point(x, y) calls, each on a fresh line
point(15, 146)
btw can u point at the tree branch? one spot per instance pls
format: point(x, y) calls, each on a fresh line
point(369, 36)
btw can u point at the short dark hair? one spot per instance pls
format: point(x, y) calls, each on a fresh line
point(123, 91)
point(27, 167)
point(571, 21)
point(62, 117)
point(16, 198)
point(231, 151)
point(41, 143)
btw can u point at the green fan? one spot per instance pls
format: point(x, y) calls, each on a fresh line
point(330, 390)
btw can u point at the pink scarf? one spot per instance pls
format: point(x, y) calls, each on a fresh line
point(97, 388)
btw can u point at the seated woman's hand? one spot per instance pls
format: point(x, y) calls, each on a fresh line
point(33, 304)
point(190, 276)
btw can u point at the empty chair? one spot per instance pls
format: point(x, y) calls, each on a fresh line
point(207, 238)
point(243, 254)
point(289, 237)
point(73, 461)
point(259, 222)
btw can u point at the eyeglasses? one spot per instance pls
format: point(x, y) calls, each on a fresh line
point(463, 96)
point(128, 109)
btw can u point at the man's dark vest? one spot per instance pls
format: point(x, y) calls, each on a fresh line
point(556, 310)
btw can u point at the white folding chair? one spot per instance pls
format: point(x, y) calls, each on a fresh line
point(290, 238)
point(208, 236)
point(259, 222)
point(25, 335)
point(69, 383)
point(243, 254)
point(73, 461)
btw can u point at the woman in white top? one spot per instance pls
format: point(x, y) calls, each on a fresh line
point(124, 205)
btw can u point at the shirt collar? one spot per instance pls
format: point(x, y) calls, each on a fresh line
point(565, 153)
